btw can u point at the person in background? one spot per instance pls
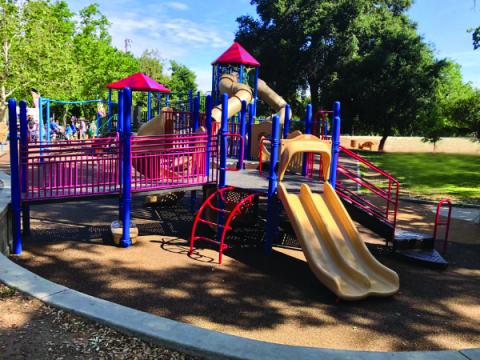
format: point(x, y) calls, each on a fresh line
point(68, 132)
point(83, 128)
point(93, 129)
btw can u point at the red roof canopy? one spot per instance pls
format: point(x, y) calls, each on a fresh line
point(138, 82)
point(236, 54)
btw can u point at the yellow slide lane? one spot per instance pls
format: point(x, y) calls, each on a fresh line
point(333, 247)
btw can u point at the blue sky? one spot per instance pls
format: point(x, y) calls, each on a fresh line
point(195, 32)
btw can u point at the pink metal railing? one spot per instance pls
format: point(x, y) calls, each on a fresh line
point(378, 195)
point(169, 161)
point(71, 168)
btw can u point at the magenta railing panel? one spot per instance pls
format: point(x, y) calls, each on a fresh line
point(71, 168)
point(168, 161)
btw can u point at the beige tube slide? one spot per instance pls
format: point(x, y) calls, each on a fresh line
point(275, 101)
point(237, 93)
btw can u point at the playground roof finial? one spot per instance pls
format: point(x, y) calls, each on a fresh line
point(139, 82)
point(236, 54)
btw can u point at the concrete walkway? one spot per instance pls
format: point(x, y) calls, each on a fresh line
point(182, 337)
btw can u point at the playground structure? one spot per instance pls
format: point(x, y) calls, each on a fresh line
point(188, 150)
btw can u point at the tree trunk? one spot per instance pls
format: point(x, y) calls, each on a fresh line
point(387, 129)
point(3, 106)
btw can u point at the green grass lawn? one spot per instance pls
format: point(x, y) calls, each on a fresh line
point(433, 176)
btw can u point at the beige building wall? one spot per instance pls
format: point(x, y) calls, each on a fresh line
point(453, 145)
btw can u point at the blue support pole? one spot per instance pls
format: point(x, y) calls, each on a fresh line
point(213, 82)
point(190, 100)
point(308, 130)
point(208, 125)
point(223, 143)
point(222, 182)
point(255, 92)
point(99, 123)
point(249, 131)
point(47, 130)
point(120, 162)
point(23, 167)
point(40, 120)
point(125, 241)
point(110, 110)
point(243, 125)
point(286, 122)
point(167, 100)
point(240, 74)
point(335, 143)
point(149, 105)
point(272, 209)
point(120, 111)
point(14, 177)
point(159, 103)
point(196, 113)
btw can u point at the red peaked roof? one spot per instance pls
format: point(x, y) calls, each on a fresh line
point(236, 54)
point(138, 82)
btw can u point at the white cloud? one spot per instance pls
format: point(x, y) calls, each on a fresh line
point(177, 5)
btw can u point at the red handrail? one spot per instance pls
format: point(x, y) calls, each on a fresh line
point(389, 195)
point(446, 223)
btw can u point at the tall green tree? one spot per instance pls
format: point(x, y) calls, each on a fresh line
point(366, 53)
point(182, 78)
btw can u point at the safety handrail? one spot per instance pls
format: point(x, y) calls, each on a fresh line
point(389, 195)
point(446, 223)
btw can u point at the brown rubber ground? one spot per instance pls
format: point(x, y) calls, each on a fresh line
point(276, 299)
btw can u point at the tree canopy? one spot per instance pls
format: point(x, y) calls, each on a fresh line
point(65, 55)
point(365, 53)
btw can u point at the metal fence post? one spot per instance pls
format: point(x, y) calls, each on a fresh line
point(14, 177)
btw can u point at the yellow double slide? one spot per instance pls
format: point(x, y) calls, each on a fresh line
point(330, 241)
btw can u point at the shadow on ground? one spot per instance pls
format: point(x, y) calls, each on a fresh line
point(274, 299)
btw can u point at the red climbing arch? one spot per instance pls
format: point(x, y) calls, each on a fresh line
point(224, 203)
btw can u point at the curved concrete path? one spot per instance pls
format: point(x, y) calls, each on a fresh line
point(183, 337)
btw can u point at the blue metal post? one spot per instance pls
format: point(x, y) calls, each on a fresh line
point(120, 111)
point(251, 117)
point(222, 182)
point(22, 156)
point(167, 100)
point(223, 143)
point(240, 74)
point(272, 210)
point(243, 125)
point(40, 120)
point(99, 123)
point(149, 106)
point(127, 168)
point(196, 113)
point(120, 162)
point(110, 110)
point(335, 143)
point(308, 130)
point(213, 82)
point(14, 177)
point(255, 92)
point(47, 133)
point(190, 100)
point(208, 125)
point(286, 122)
point(159, 103)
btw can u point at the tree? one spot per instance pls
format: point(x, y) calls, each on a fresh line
point(151, 65)
point(465, 113)
point(182, 78)
point(366, 53)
